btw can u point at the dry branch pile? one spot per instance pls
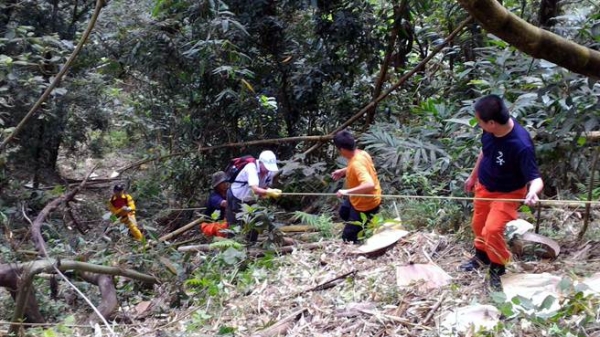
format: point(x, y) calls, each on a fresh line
point(334, 292)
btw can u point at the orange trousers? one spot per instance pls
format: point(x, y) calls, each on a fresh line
point(490, 219)
point(214, 229)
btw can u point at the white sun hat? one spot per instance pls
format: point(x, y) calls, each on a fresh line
point(268, 159)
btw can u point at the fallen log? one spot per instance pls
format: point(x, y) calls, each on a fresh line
point(181, 230)
point(20, 276)
point(109, 303)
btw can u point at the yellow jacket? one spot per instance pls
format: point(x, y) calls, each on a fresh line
point(118, 201)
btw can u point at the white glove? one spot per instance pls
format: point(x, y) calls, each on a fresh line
point(126, 208)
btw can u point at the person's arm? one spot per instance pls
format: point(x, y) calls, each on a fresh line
point(531, 172)
point(470, 182)
point(364, 188)
point(366, 184)
point(535, 188)
point(253, 179)
point(339, 173)
point(266, 191)
point(259, 190)
point(130, 204)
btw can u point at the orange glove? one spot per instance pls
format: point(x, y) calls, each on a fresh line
point(214, 229)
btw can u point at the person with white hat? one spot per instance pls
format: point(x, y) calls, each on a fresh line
point(253, 180)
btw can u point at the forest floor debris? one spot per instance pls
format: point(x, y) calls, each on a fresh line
point(362, 297)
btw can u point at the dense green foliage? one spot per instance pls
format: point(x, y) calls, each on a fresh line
point(175, 75)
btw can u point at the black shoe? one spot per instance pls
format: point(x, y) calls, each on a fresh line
point(479, 260)
point(496, 270)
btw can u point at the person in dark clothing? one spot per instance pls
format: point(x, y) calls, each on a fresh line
point(505, 169)
point(217, 200)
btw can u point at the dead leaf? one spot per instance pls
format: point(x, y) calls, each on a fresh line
point(354, 309)
point(142, 307)
point(423, 276)
point(552, 248)
point(463, 319)
point(381, 240)
point(593, 282)
point(517, 227)
point(535, 287)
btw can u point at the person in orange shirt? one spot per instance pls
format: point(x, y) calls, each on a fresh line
point(122, 206)
point(361, 178)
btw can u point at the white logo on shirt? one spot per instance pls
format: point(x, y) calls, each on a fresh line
point(499, 160)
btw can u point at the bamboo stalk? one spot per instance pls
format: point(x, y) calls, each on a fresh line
point(181, 230)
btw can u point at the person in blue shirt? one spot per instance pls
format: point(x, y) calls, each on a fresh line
point(505, 169)
point(217, 198)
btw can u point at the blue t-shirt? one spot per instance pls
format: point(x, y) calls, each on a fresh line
point(213, 204)
point(508, 162)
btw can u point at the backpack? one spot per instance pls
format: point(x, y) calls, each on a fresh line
point(236, 165)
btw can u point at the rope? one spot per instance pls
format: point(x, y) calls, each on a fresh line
point(435, 197)
point(545, 202)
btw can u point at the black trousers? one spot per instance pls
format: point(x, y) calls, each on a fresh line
point(349, 214)
point(234, 206)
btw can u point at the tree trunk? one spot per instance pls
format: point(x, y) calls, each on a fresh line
point(9, 279)
point(532, 40)
point(548, 11)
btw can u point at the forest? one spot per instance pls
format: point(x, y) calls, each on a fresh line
point(158, 95)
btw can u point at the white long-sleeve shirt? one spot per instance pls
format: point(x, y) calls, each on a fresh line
point(249, 174)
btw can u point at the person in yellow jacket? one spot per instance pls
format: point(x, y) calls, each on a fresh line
point(122, 206)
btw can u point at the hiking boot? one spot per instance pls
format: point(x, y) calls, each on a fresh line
point(496, 270)
point(479, 260)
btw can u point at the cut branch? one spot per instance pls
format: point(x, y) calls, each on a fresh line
point(108, 305)
point(36, 227)
point(181, 230)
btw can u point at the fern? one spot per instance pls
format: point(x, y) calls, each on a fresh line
point(404, 152)
point(323, 222)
